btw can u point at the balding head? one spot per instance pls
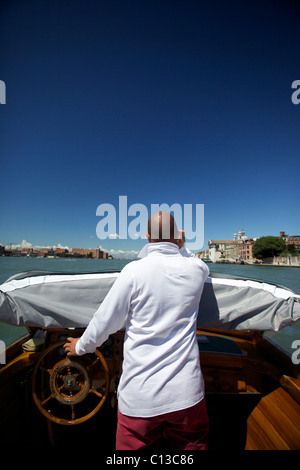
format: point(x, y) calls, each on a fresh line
point(162, 228)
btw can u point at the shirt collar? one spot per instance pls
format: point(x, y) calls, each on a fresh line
point(165, 248)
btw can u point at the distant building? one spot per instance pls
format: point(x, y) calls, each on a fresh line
point(241, 237)
point(29, 252)
point(89, 253)
point(204, 255)
point(291, 240)
point(103, 254)
point(240, 248)
point(43, 252)
point(60, 252)
point(223, 250)
point(57, 252)
point(246, 250)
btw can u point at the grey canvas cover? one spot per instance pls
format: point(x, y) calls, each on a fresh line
point(61, 300)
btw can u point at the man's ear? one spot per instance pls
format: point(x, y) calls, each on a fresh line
point(148, 236)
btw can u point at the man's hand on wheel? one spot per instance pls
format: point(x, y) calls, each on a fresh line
point(70, 346)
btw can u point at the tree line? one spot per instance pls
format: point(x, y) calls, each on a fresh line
point(269, 246)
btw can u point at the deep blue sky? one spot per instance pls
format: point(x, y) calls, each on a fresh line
point(183, 102)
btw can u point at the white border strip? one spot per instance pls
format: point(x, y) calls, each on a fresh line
point(15, 284)
point(278, 292)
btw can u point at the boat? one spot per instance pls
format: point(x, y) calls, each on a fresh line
point(48, 400)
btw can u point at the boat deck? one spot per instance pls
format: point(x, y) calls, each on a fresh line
point(252, 395)
point(274, 412)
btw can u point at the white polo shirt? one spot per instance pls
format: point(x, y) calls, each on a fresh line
point(159, 297)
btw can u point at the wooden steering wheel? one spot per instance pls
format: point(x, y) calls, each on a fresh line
point(69, 391)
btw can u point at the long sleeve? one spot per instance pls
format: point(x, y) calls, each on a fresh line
point(109, 317)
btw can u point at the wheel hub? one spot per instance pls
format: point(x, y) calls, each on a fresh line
point(69, 382)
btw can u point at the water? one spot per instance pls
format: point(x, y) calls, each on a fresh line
point(14, 265)
point(285, 276)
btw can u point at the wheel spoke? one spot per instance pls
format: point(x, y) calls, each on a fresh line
point(43, 403)
point(99, 394)
point(44, 369)
point(73, 412)
point(92, 364)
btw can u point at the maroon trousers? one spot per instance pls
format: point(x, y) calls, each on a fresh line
point(184, 429)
